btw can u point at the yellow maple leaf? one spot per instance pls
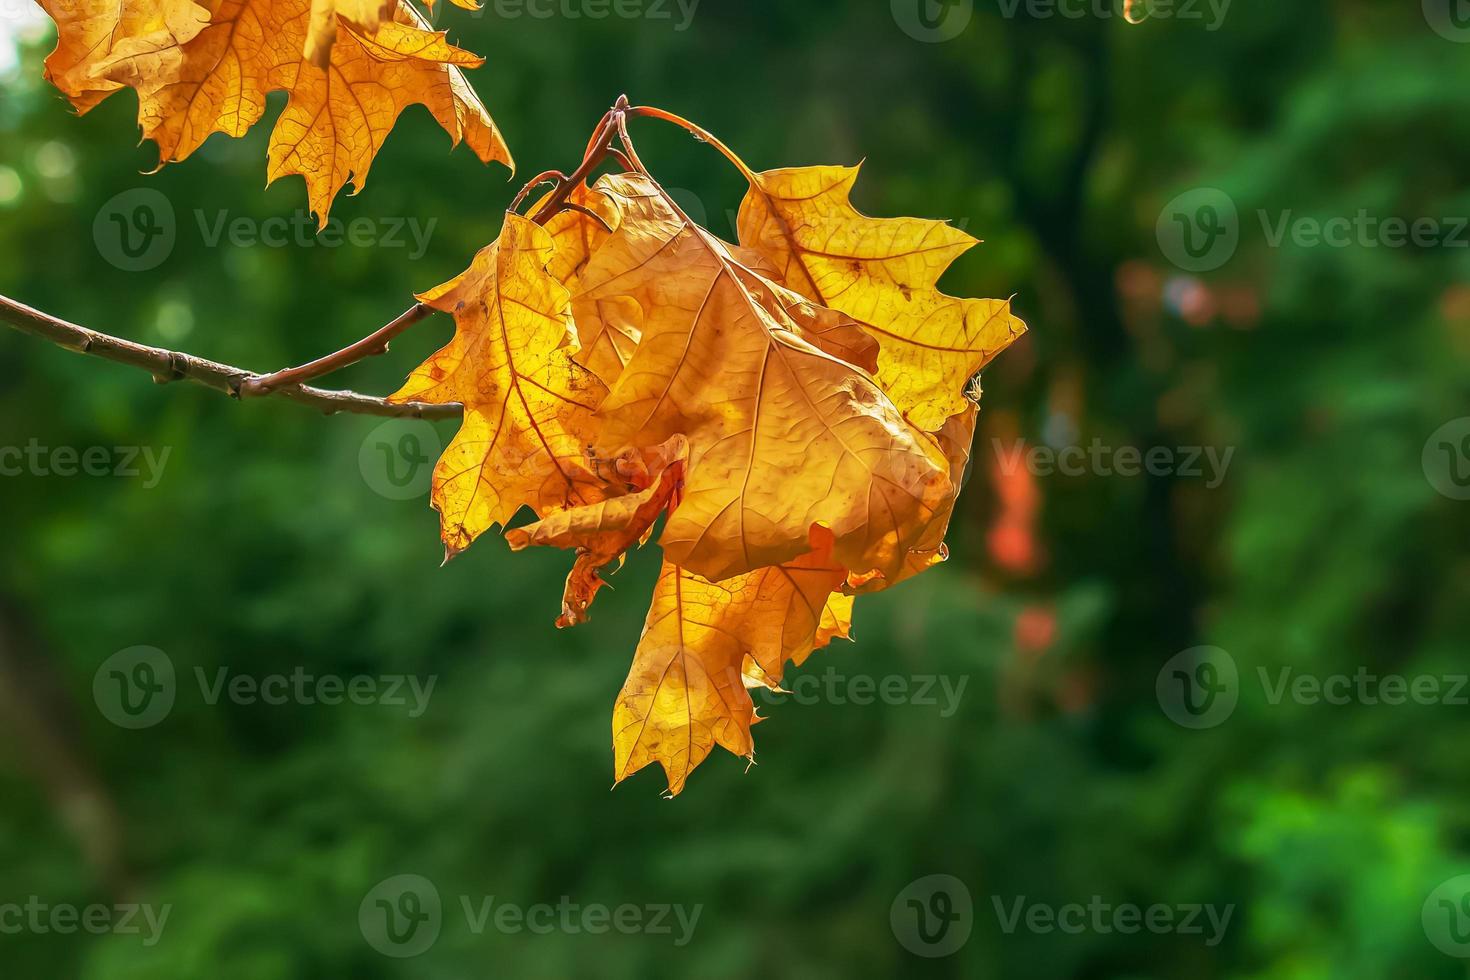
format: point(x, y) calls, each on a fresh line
point(528, 406)
point(782, 434)
point(200, 70)
point(884, 273)
point(686, 692)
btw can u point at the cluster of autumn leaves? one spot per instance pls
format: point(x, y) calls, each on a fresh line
point(796, 408)
point(205, 66)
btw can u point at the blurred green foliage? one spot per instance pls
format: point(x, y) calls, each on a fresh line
point(263, 549)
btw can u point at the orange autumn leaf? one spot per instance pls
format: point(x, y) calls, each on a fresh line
point(686, 692)
point(795, 413)
point(350, 68)
point(884, 273)
point(782, 434)
point(528, 406)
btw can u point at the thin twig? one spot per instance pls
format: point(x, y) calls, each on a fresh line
point(597, 150)
point(373, 344)
point(167, 366)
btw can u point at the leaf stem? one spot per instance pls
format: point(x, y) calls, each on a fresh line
point(545, 177)
point(697, 131)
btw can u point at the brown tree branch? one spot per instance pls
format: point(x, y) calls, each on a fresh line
point(373, 344)
point(167, 366)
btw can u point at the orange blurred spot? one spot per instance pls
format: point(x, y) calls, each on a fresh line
point(1240, 306)
point(1454, 306)
point(1012, 538)
point(1036, 629)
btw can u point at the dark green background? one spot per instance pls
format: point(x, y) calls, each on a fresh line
point(1059, 141)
